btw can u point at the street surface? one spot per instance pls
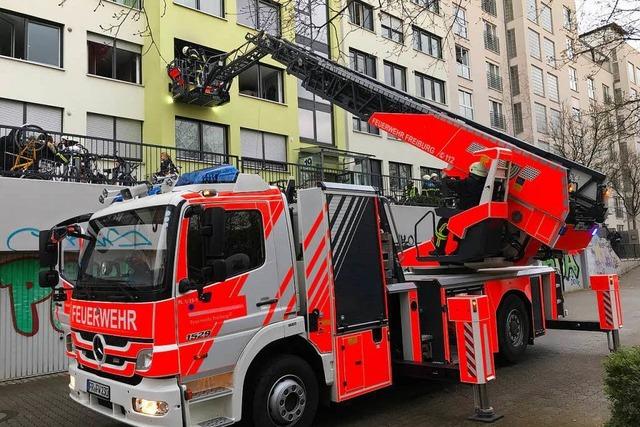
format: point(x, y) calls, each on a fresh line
point(558, 384)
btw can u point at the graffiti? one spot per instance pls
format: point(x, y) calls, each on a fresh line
point(20, 277)
point(28, 233)
point(571, 270)
point(406, 241)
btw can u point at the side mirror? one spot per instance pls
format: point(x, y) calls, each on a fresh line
point(213, 225)
point(47, 250)
point(48, 278)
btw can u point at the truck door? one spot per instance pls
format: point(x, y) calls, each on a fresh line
point(212, 332)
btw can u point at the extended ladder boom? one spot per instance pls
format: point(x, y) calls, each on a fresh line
point(363, 96)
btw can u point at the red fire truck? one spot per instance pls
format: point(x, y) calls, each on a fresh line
point(227, 299)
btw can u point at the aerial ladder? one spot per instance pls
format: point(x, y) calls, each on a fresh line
point(535, 203)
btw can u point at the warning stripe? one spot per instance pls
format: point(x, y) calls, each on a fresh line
point(315, 257)
point(281, 289)
point(606, 300)
point(312, 231)
point(470, 351)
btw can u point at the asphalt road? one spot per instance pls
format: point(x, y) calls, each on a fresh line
point(559, 383)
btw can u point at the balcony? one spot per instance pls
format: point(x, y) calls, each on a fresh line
point(489, 6)
point(494, 81)
point(492, 42)
point(497, 120)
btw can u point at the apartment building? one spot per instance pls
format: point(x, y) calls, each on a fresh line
point(60, 71)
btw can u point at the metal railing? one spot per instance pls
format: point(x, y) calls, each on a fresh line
point(489, 6)
point(491, 42)
point(78, 158)
point(627, 250)
point(494, 81)
point(497, 120)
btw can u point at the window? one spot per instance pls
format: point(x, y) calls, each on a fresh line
point(534, 44)
point(259, 14)
point(16, 113)
point(631, 72)
point(465, 100)
point(363, 62)
point(546, 20)
point(591, 88)
point(496, 116)
point(462, 58)
point(567, 16)
point(30, 39)
point(508, 10)
point(391, 28)
point(395, 75)
point(573, 79)
point(514, 78)
point(425, 170)
point(127, 131)
point(426, 42)
point(364, 126)
point(315, 119)
point(518, 125)
point(489, 6)
point(494, 79)
point(554, 119)
point(606, 93)
point(638, 76)
point(552, 86)
point(262, 81)
point(361, 14)
point(201, 140)
point(575, 114)
point(263, 146)
point(243, 244)
point(460, 22)
point(114, 59)
point(430, 5)
point(512, 50)
point(541, 117)
point(549, 52)
point(532, 11)
point(399, 175)
point(212, 7)
point(537, 81)
point(491, 40)
point(430, 88)
point(569, 52)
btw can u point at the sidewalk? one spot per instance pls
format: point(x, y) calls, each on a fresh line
point(558, 384)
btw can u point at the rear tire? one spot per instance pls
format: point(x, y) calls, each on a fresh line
point(513, 328)
point(282, 392)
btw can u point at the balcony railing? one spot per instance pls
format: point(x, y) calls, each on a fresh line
point(489, 6)
point(497, 120)
point(491, 42)
point(494, 81)
point(104, 161)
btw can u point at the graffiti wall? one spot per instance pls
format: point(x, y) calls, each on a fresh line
point(405, 218)
point(31, 342)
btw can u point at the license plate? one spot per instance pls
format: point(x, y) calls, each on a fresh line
point(98, 389)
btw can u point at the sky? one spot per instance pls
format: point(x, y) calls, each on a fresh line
point(593, 13)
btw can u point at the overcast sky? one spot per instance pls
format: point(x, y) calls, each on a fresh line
point(592, 13)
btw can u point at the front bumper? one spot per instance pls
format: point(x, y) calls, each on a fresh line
point(120, 406)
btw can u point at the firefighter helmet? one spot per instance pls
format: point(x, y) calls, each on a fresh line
point(477, 168)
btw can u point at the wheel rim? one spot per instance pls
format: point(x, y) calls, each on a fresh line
point(515, 328)
point(287, 400)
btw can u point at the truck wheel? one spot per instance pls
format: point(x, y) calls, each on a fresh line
point(513, 329)
point(285, 394)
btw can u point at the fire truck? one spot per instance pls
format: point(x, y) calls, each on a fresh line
point(226, 299)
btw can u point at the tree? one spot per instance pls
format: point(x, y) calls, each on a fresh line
point(625, 181)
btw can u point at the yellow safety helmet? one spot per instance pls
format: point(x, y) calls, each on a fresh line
point(477, 168)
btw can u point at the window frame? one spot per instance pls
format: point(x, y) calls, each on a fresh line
point(281, 94)
point(359, 6)
point(433, 81)
point(431, 39)
point(393, 66)
point(573, 79)
point(399, 178)
point(114, 60)
point(461, 66)
point(460, 23)
point(370, 129)
point(354, 53)
point(257, 17)
point(390, 28)
point(263, 160)
point(26, 19)
point(25, 104)
point(463, 107)
point(201, 153)
point(199, 9)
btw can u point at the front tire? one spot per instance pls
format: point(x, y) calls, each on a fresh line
point(513, 328)
point(282, 394)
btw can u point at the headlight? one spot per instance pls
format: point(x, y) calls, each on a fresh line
point(72, 382)
point(156, 408)
point(143, 361)
point(68, 343)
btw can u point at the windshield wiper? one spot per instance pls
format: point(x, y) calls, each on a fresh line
point(122, 286)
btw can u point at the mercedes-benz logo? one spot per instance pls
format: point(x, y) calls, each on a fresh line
point(98, 349)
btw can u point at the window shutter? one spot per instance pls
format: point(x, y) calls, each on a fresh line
point(130, 131)
point(11, 113)
point(545, 18)
point(537, 81)
point(275, 147)
point(534, 44)
point(100, 126)
point(552, 83)
point(48, 118)
point(251, 144)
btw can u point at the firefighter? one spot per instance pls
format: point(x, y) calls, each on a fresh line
point(468, 192)
point(410, 191)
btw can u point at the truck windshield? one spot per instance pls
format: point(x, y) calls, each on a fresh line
point(127, 257)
